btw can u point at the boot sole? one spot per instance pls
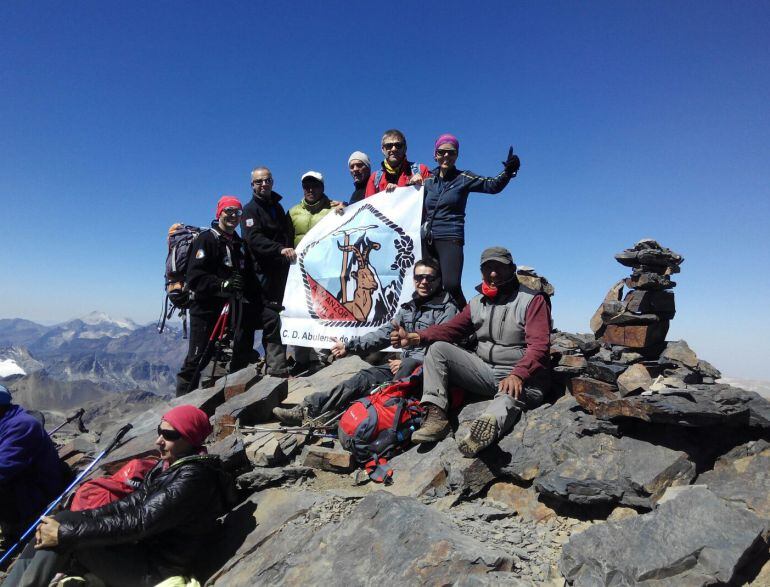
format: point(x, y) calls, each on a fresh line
point(482, 434)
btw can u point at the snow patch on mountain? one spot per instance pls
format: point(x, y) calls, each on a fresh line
point(8, 367)
point(98, 318)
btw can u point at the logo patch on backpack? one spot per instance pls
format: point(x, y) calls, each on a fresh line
point(200, 254)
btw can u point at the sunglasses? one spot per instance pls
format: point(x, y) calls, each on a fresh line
point(389, 146)
point(262, 181)
point(425, 277)
point(232, 211)
point(445, 152)
point(169, 434)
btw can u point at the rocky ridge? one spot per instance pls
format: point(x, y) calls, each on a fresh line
point(642, 470)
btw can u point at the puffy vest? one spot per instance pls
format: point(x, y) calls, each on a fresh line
point(304, 218)
point(499, 326)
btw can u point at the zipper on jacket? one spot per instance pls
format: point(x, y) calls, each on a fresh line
point(502, 322)
point(491, 340)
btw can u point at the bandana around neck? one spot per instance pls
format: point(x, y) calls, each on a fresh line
point(489, 291)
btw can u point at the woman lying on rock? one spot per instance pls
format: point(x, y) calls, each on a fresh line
point(150, 535)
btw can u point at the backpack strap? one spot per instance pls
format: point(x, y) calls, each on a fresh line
point(379, 471)
point(416, 169)
point(377, 180)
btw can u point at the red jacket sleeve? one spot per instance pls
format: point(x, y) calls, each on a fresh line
point(454, 330)
point(370, 189)
point(537, 335)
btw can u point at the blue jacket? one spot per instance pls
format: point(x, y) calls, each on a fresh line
point(413, 315)
point(29, 465)
point(445, 199)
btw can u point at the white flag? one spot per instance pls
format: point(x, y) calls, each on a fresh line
point(353, 271)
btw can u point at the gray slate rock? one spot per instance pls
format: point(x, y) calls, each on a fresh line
point(743, 476)
point(694, 539)
point(571, 456)
point(385, 539)
point(696, 406)
point(256, 404)
point(259, 478)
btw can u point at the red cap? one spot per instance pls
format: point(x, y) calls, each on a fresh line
point(227, 202)
point(192, 423)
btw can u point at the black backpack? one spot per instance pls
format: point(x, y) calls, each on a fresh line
point(180, 242)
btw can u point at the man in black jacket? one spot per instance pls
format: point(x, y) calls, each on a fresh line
point(220, 271)
point(151, 534)
point(360, 169)
point(269, 234)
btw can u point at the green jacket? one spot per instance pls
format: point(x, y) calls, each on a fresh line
point(305, 216)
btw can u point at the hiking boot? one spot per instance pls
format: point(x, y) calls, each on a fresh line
point(290, 416)
point(435, 427)
point(483, 432)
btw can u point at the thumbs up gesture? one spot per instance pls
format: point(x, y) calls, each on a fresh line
point(400, 338)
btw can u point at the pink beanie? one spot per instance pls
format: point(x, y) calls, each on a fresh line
point(447, 138)
point(192, 423)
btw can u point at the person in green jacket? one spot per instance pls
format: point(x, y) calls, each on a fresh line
point(314, 205)
point(304, 216)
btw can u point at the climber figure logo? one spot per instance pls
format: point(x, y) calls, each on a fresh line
point(353, 275)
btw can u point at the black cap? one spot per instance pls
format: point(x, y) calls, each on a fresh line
point(500, 254)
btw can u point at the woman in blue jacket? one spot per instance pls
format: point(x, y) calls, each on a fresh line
point(446, 195)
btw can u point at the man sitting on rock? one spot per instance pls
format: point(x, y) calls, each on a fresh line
point(430, 305)
point(150, 535)
point(511, 362)
point(31, 474)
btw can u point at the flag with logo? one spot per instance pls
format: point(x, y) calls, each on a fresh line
point(353, 271)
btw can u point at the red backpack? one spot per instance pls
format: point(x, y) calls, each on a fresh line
point(377, 426)
point(103, 490)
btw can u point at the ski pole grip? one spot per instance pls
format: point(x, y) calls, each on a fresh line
point(118, 437)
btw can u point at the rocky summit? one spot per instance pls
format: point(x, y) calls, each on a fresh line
point(641, 469)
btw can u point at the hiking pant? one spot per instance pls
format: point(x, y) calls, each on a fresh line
point(201, 326)
point(124, 565)
point(358, 386)
point(275, 351)
point(447, 365)
point(449, 253)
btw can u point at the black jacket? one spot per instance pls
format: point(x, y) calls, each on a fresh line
point(267, 229)
point(358, 194)
point(215, 257)
point(172, 514)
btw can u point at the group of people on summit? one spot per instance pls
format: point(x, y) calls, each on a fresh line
point(496, 345)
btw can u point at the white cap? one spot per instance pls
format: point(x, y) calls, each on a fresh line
point(360, 156)
point(314, 174)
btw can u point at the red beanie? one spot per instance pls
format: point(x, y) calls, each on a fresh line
point(193, 424)
point(227, 202)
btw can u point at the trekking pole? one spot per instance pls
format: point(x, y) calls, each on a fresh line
point(214, 333)
point(118, 437)
point(222, 333)
point(77, 416)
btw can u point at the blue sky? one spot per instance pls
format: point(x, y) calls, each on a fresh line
point(632, 120)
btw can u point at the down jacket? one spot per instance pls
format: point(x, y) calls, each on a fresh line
point(414, 315)
point(172, 514)
point(305, 216)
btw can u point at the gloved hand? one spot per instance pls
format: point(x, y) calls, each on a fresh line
point(232, 285)
point(181, 298)
point(512, 163)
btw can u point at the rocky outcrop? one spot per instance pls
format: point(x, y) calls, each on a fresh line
point(694, 539)
point(382, 539)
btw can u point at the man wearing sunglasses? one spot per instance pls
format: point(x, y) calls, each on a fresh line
point(220, 270)
point(396, 170)
point(430, 305)
point(154, 533)
point(269, 235)
point(511, 362)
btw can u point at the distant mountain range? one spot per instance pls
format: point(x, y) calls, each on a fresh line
point(61, 366)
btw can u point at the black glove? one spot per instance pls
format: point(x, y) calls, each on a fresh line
point(512, 163)
point(232, 285)
point(181, 298)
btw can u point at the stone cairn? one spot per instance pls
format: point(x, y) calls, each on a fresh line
point(628, 353)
